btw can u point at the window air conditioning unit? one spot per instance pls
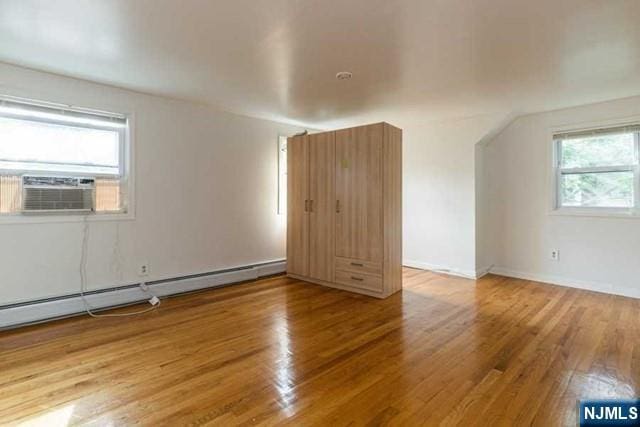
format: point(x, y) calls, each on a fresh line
point(42, 194)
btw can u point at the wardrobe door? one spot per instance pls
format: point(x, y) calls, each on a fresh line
point(297, 205)
point(358, 171)
point(321, 205)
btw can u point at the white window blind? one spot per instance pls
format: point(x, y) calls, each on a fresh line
point(36, 138)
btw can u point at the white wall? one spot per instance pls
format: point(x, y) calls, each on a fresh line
point(439, 201)
point(595, 253)
point(484, 239)
point(467, 204)
point(220, 170)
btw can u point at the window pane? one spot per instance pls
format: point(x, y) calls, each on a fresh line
point(10, 194)
point(107, 195)
point(33, 145)
point(606, 189)
point(603, 150)
point(282, 175)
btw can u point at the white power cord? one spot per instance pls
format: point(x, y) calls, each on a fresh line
point(83, 281)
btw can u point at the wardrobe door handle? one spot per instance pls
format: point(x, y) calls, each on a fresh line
point(337, 206)
point(306, 205)
point(310, 205)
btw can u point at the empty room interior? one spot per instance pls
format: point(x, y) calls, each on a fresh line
point(319, 213)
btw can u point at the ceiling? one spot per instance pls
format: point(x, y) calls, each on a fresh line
point(412, 60)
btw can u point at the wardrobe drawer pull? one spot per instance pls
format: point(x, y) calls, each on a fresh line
point(357, 280)
point(358, 266)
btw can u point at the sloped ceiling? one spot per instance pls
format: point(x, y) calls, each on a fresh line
point(412, 60)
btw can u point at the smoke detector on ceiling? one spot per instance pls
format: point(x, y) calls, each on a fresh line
point(344, 75)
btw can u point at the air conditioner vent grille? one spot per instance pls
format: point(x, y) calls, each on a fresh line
point(51, 199)
point(49, 194)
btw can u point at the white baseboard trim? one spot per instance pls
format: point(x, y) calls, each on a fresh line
point(601, 287)
point(38, 311)
point(480, 273)
point(467, 274)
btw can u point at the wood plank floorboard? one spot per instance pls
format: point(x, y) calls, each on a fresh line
point(445, 351)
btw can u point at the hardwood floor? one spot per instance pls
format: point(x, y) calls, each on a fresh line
point(444, 351)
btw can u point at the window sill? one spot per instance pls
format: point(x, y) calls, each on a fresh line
point(8, 219)
point(596, 213)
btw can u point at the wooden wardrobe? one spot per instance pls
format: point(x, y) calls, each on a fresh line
point(344, 209)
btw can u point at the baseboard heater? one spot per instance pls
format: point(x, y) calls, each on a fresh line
point(22, 314)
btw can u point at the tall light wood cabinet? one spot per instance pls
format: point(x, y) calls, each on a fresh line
point(344, 225)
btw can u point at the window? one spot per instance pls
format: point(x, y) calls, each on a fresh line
point(43, 139)
point(282, 175)
point(598, 170)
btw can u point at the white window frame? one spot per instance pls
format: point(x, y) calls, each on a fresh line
point(282, 178)
point(125, 173)
point(558, 171)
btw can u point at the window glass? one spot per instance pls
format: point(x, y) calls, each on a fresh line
point(604, 189)
point(604, 150)
point(39, 146)
point(282, 175)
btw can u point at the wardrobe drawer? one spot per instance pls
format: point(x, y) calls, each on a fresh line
point(359, 280)
point(359, 266)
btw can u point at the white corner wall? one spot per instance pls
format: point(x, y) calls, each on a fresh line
point(484, 239)
point(205, 196)
point(439, 194)
point(597, 253)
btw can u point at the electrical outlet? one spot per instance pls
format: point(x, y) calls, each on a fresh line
point(143, 270)
point(554, 255)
